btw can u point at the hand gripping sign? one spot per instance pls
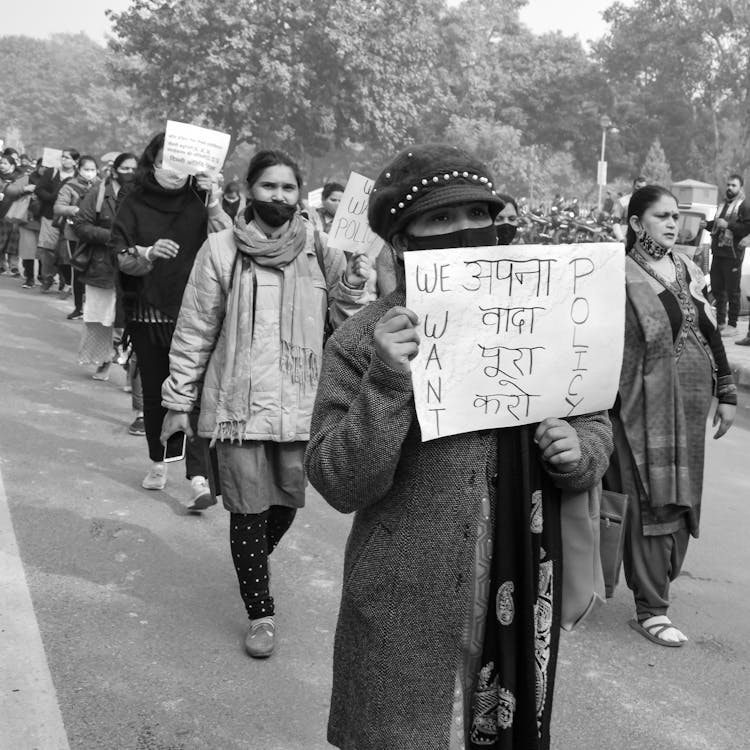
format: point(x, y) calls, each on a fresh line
point(189, 149)
point(511, 335)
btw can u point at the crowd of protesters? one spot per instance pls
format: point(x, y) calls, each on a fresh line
point(220, 301)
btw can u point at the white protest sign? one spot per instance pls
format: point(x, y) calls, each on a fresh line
point(52, 157)
point(513, 334)
point(189, 149)
point(315, 198)
point(350, 230)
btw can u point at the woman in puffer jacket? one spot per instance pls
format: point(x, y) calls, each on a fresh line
point(250, 331)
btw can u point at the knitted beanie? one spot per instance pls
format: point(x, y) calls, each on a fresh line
point(425, 177)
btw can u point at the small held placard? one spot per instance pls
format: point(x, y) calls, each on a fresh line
point(511, 335)
point(189, 149)
point(350, 230)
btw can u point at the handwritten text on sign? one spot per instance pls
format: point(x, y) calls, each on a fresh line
point(511, 335)
point(350, 230)
point(189, 149)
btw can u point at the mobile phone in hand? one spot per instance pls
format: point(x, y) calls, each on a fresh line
point(174, 450)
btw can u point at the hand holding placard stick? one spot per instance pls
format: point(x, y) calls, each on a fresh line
point(513, 335)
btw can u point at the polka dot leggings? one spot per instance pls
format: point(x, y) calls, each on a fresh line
point(252, 538)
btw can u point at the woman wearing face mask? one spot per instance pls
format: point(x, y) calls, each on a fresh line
point(506, 222)
point(442, 530)
point(233, 202)
point(667, 383)
point(65, 209)
point(49, 235)
point(160, 226)
point(251, 331)
point(93, 225)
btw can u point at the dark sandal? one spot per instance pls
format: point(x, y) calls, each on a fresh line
point(653, 631)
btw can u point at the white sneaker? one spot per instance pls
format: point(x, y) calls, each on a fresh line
point(729, 332)
point(156, 479)
point(201, 494)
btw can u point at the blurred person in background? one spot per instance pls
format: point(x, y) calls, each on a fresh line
point(92, 225)
point(49, 236)
point(28, 232)
point(64, 210)
point(232, 200)
point(331, 197)
point(13, 182)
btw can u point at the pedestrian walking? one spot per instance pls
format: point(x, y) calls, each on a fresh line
point(64, 210)
point(97, 264)
point(448, 629)
point(28, 231)
point(12, 183)
point(49, 235)
point(160, 226)
point(251, 331)
point(728, 230)
point(673, 365)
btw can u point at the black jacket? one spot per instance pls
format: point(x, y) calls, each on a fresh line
point(740, 228)
point(95, 229)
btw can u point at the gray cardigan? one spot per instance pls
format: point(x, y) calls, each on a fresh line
point(410, 554)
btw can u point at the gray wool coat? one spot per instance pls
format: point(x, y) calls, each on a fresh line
point(409, 559)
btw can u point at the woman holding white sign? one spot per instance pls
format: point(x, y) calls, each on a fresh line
point(160, 226)
point(251, 332)
point(448, 628)
point(673, 365)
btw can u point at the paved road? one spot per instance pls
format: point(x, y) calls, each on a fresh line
point(142, 624)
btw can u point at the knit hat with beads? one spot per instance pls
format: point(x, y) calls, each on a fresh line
point(425, 177)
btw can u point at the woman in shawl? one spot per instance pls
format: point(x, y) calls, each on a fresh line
point(251, 332)
point(450, 613)
point(673, 365)
point(160, 226)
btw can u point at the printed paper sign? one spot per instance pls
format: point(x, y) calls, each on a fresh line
point(52, 157)
point(511, 335)
point(189, 149)
point(350, 231)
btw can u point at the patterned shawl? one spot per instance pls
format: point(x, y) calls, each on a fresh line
point(651, 407)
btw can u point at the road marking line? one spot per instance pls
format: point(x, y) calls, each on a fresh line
point(30, 717)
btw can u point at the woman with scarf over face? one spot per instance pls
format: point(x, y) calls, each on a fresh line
point(449, 623)
point(251, 332)
point(66, 207)
point(673, 365)
point(160, 226)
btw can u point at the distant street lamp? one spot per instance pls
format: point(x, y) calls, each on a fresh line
point(601, 172)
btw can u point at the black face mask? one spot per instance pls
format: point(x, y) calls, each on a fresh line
point(505, 233)
point(477, 237)
point(274, 213)
point(125, 177)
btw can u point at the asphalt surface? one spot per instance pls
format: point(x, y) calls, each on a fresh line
point(142, 624)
